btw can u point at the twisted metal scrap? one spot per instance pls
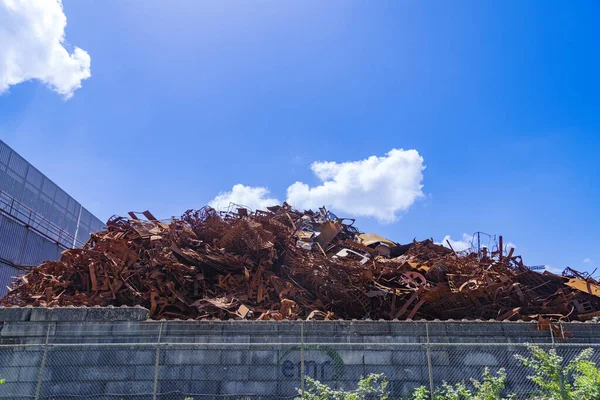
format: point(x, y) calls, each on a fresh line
point(247, 265)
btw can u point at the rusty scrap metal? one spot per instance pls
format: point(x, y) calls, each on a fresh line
point(284, 264)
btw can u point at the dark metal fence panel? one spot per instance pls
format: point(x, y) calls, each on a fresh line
point(23, 182)
point(33, 247)
point(37, 219)
point(13, 237)
point(7, 276)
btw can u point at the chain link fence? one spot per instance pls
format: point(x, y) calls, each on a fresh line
point(246, 369)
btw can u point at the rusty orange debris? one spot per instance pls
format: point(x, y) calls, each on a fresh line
point(284, 264)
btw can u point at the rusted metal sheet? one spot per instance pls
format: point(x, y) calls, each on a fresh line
point(285, 264)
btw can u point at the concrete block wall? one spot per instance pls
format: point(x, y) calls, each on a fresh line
point(116, 353)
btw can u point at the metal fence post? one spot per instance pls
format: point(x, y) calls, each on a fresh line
point(429, 365)
point(302, 357)
point(156, 363)
point(561, 380)
point(38, 389)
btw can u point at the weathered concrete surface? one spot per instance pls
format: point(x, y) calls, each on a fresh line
point(106, 351)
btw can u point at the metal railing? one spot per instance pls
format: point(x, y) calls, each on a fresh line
point(25, 215)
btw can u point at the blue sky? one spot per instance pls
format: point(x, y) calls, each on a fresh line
point(188, 98)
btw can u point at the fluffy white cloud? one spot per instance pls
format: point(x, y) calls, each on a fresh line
point(255, 198)
point(32, 39)
point(458, 245)
point(379, 187)
point(553, 270)
point(587, 260)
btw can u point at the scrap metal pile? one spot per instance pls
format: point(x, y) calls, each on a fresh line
point(285, 264)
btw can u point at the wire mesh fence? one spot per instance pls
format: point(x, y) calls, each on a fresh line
point(238, 368)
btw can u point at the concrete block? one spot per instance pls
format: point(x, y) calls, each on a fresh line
point(16, 390)
point(127, 356)
point(263, 357)
point(378, 357)
point(512, 329)
point(10, 374)
point(50, 389)
point(436, 328)
point(410, 358)
point(174, 372)
point(249, 388)
point(15, 314)
point(351, 357)
point(289, 388)
point(106, 372)
point(108, 314)
point(172, 387)
point(95, 329)
point(145, 372)
point(54, 314)
point(191, 328)
point(27, 374)
point(478, 329)
point(482, 358)
point(26, 329)
point(409, 328)
point(319, 328)
point(404, 339)
point(187, 356)
point(371, 328)
point(323, 339)
point(477, 339)
point(229, 338)
point(264, 328)
point(206, 387)
point(148, 331)
point(70, 356)
point(215, 372)
point(234, 356)
point(21, 358)
point(127, 388)
point(264, 372)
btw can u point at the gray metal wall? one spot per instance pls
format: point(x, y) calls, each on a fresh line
point(45, 204)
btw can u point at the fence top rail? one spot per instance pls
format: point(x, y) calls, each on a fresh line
point(294, 344)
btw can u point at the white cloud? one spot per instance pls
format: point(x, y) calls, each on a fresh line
point(378, 187)
point(32, 39)
point(255, 198)
point(457, 245)
point(587, 260)
point(553, 270)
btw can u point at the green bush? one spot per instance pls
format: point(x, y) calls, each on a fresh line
point(578, 380)
point(489, 388)
point(371, 387)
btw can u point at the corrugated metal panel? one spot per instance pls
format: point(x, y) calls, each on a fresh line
point(7, 276)
point(86, 217)
point(13, 238)
point(61, 198)
point(14, 184)
point(33, 250)
point(34, 177)
point(18, 164)
point(73, 207)
point(49, 188)
point(4, 153)
point(30, 187)
point(50, 252)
